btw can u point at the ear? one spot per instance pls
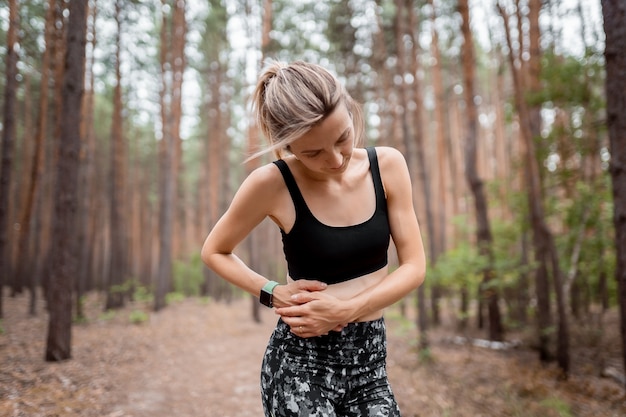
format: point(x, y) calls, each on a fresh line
point(288, 149)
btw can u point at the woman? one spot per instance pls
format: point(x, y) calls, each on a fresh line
point(337, 206)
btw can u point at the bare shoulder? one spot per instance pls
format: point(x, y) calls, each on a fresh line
point(262, 184)
point(266, 175)
point(394, 172)
point(391, 161)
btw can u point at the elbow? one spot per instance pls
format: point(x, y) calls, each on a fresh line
point(419, 274)
point(206, 255)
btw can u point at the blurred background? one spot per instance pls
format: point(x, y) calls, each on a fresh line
point(498, 106)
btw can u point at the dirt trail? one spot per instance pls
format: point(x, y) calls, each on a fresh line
point(206, 366)
point(197, 359)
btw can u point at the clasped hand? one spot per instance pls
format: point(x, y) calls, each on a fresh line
point(307, 309)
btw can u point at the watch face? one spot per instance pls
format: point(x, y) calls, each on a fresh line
point(266, 298)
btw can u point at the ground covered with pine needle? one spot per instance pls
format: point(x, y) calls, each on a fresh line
point(199, 358)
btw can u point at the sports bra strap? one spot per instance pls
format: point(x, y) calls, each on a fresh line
point(292, 186)
point(298, 199)
point(378, 182)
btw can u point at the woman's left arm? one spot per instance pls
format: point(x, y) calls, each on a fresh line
point(406, 236)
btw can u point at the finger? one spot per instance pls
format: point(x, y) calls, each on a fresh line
point(311, 285)
point(298, 331)
point(303, 297)
point(292, 311)
point(339, 327)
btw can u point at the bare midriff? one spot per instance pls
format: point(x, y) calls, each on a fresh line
point(348, 289)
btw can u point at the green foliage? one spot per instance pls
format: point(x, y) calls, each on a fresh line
point(558, 405)
point(459, 267)
point(108, 315)
point(188, 277)
point(81, 319)
point(425, 356)
point(143, 294)
point(1, 327)
point(174, 297)
point(138, 317)
point(123, 288)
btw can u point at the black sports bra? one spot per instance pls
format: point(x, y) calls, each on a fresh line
point(332, 254)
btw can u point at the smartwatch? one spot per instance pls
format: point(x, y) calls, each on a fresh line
point(266, 297)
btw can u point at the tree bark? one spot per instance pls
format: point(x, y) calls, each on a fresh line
point(167, 183)
point(63, 258)
point(489, 291)
point(118, 261)
point(614, 13)
point(543, 241)
point(87, 173)
point(27, 271)
point(8, 142)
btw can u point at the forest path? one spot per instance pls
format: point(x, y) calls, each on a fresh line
point(199, 359)
point(203, 364)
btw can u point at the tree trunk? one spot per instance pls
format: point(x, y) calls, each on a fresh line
point(614, 13)
point(8, 143)
point(441, 133)
point(87, 173)
point(167, 183)
point(118, 260)
point(63, 258)
point(484, 238)
point(413, 138)
point(178, 65)
point(546, 256)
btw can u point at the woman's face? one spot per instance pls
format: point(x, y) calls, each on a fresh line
point(327, 147)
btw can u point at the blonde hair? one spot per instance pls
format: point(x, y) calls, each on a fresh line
point(290, 99)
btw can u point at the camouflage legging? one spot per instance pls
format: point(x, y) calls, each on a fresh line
point(342, 374)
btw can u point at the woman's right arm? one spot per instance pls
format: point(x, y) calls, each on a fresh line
point(250, 205)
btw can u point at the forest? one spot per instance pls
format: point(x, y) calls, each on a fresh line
point(126, 124)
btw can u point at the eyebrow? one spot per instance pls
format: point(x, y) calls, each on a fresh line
point(343, 134)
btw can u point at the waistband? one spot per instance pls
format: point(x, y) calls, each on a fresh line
point(357, 344)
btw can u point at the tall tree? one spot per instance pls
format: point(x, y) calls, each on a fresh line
point(86, 175)
point(483, 229)
point(119, 261)
point(172, 68)
point(614, 13)
point(412, 133)
point(8, 141)
point(545, 252)
point(215, 143)
point(62, 265)
point(257, 258)
point(167, 183)
point(26, 271)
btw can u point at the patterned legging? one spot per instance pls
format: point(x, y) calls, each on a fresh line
point(341, 374)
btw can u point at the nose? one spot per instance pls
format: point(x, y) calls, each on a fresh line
point(335, 159)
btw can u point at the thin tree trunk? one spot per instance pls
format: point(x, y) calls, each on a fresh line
point(178, 64)
point(44, 232)
point(614, 13)
point(441, 132)
point(483, 229)
point(167, 182)
point(413, 144)
point(8, 142)
point(118, 258)
point(544, 247)
point(86, 173)
point(63, 253)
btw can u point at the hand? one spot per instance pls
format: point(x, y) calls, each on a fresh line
point(283, 295)
point(314, 314)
